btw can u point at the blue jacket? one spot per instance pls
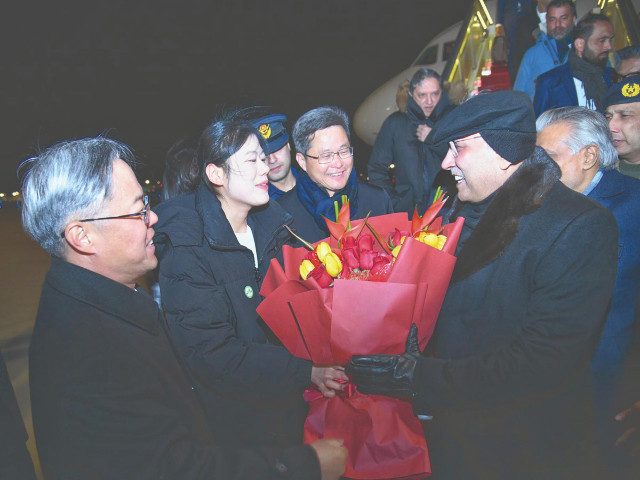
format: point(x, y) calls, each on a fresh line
point(556, 88)
point(620, 194)
point(540, 58)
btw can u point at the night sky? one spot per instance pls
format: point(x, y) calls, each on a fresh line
point(148, 73)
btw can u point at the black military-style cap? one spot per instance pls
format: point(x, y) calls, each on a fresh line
point(626, 91)
point(272, 129)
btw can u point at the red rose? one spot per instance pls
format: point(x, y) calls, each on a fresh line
point(312, 256)
point(365, 242)
point(383, 258)
point(366, 259)
point(321, 276)
point(348, 242)
point(351, 257)
point(380, 272)
point(396, 237)
point(346, 271)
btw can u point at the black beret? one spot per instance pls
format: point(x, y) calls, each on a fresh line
point(271, 128)
point(505, 119)
point(626, 91)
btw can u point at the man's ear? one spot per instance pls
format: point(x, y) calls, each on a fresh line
point(505, 164)
point(302, 161)
point(215, 174)
point(78, 239)
point(578, 44)
point(590, 156)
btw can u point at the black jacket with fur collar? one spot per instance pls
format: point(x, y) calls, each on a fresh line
point(529, 295)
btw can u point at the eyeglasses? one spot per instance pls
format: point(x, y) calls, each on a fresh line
point(143, 214)
point(327, 157)
point(453, 144)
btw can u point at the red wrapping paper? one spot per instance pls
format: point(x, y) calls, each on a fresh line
point(354, 317)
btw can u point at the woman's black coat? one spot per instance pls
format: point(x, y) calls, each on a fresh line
point(252, 387)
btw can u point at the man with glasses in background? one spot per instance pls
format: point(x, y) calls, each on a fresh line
point(325, 155)
point(110, 398)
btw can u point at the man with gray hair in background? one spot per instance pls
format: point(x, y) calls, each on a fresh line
point(110, 398)
point(579, 141)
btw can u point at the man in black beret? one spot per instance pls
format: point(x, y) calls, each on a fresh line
point(509, 387)
point(622, 109)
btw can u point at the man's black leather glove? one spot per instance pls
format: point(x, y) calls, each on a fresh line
point(390, 375)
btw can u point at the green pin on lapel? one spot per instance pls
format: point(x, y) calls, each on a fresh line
point(248, 291)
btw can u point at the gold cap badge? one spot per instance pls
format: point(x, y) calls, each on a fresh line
point(631, 90)
point(265, 130)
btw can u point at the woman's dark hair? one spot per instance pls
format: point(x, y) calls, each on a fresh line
point(420, 75)
point(181, 170)
point(222, 139)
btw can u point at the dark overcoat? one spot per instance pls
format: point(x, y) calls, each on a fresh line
point(111, 400)
point(620, 194)
point(510, 385)
point(252, 388)
point(371, 199)
point(415, 164)
point(556, 88)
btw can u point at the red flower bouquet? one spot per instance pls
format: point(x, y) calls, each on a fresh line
point(369, 309)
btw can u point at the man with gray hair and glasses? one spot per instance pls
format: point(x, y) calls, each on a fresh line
point(325, 155)
point(110, 398)
point(579, 141)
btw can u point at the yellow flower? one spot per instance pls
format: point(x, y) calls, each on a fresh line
point(333, 264)
point(395, 251)
point(305, 268)
point(322, 250)
point(429, 238)
point(441, 241)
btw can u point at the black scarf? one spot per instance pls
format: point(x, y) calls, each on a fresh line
point(591, 76)
point(563, 45)
point(472, 212)
point(318, 202)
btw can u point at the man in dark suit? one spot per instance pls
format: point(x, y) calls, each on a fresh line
point(579, 141)
point(584, 79)
point(509, 388)
point(110, 398)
